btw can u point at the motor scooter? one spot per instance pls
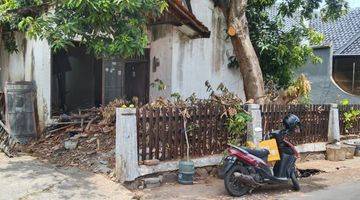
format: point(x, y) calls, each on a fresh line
point(246, 169)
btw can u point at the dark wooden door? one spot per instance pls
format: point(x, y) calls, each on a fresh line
point(113, 79)
point(137, 81)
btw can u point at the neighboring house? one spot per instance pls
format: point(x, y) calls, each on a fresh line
point(338, 76)
point(186, 50)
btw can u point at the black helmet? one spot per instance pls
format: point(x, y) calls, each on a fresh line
point(291, 121)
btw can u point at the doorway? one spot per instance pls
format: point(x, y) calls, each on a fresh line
point(76, 80)
point(137, 78)
point(80, 80)
point(128, 79)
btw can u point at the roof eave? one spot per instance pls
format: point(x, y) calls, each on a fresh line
point(185, 18)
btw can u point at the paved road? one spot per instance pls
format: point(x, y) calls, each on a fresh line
point(25, 178)
point(348, 191)
point(341, 181)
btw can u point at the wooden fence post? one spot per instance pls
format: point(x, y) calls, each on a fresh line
point(254, 129)
point(334, 125)
point(126, 153)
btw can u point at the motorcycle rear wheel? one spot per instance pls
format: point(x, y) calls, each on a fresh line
point(232, 185)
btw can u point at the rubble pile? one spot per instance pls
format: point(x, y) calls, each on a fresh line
point(85, 140)
point(7, 144)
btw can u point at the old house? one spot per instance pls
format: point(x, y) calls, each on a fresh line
point(338, 76)
point(188, 47)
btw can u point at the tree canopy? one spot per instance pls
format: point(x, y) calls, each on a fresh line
point(281, 50)
point(119, 27)
point(106, 27)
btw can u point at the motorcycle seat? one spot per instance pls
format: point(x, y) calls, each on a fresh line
point(260, 153)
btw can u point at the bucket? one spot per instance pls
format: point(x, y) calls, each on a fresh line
point(186, 172)
point(20, 110)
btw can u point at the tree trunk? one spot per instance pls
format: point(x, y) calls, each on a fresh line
point(234, 13)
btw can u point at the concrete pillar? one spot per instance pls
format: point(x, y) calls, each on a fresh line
point(126, 153)
point(254, 128)
point(334, 126)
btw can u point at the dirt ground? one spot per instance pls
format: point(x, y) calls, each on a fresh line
point(26, 178)
point(335, 173)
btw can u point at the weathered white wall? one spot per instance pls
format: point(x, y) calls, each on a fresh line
point(161, 48)
point(191, 62)
point(17, 70)
point(31, 63)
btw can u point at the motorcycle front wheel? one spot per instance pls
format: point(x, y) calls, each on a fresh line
point(232, 185)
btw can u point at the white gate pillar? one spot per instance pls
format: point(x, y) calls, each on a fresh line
point(254, 128)
point(126, 153)
point(334, 126)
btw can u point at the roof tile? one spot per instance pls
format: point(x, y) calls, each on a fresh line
point(341, 32)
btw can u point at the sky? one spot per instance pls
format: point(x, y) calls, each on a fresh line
point(354, 3)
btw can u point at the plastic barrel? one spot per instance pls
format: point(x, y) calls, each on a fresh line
point(20, 110)
point(186, 172)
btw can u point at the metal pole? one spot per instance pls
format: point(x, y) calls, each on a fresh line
point(353, 77)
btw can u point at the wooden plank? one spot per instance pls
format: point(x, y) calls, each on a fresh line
point(171, 132)
point(203, 130)
point(178, 127)
point(156, 131)
point(224, 132)
point(196, 133)
point(211, 129)
point(151, 133)
point(218, 129)
point(162, 132)
point(144, 133)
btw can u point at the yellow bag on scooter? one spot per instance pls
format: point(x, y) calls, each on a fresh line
point(271, 145)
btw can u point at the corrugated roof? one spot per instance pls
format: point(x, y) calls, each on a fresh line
point(342, 33)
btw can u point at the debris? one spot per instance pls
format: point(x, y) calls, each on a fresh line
point(57, 147)
point(102, 169)
point(152, 182)
point(64, 118)
point(98, 143)
point(91, 140)
point(71, 144)
point(202, 173)
point(72, 134)
point(91, 152)
point(151, 162)
point(78, 136)
point(59, 129)
point(169, 177)
point(89, 124)
point(67, 143)
point(7, 144)
point(104, 162)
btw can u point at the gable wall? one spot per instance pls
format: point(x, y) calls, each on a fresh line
point(191, 62)
point(324, 89)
